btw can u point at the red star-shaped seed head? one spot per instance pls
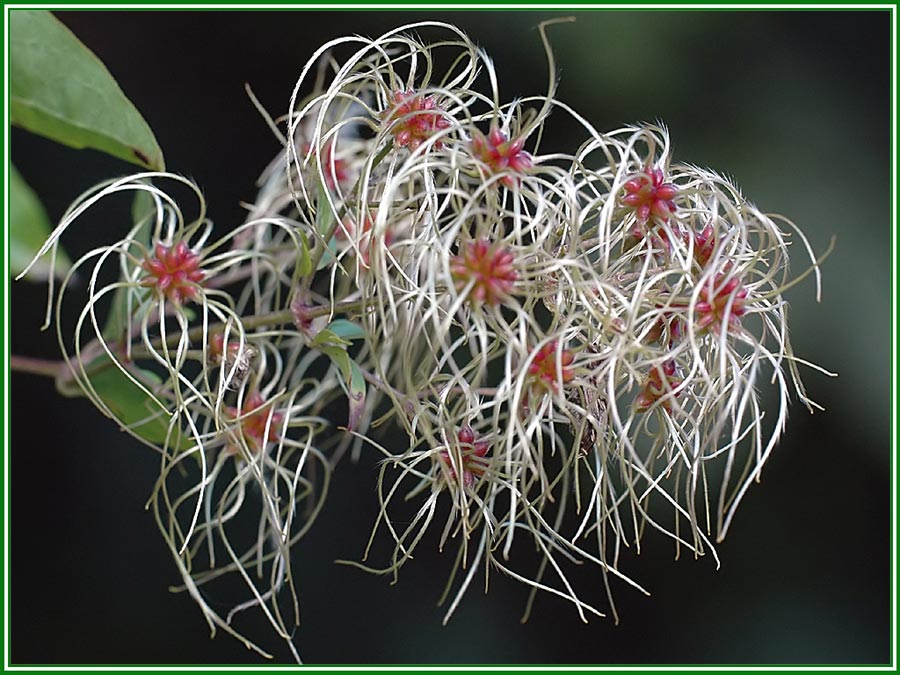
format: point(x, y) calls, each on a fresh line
point(722, 303)
point(545, 370)
point(174, 271)
point(255, 418)
point(649, 196)
point(500, 155)
point(660, 381)
point(704, 245)
point(470, 457)
point(413, 118)
point(489, 269)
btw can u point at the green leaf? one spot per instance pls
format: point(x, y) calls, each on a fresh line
point(328, 255)
point(356, 395)
point(59, 89)
point(346, 330)
point(339, 357)
point(129, 403)
point(326, 338)
point(324, 224)
point(305, 264)
point(28, 230)
point(353, 378)
point(324, 214)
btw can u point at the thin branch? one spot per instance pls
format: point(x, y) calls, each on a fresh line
point(43, 367)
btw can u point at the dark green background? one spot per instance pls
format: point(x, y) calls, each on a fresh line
point(794, 105)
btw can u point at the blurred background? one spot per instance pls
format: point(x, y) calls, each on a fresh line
point(794, 105)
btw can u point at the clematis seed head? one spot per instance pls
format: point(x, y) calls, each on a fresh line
point(649, 196)
point(488, 268)
point(174, 271)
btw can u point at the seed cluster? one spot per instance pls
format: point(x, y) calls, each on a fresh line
point(577, 347)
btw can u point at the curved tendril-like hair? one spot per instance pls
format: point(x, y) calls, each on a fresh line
point(224, 397)
point(609, 319)
point(577, 345)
